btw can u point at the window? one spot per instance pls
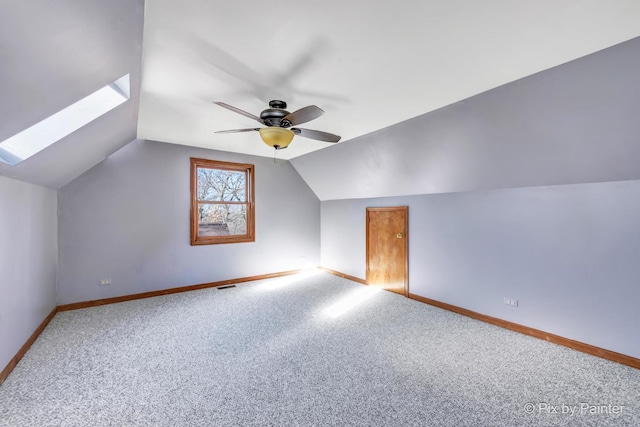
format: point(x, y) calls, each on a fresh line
point(52, 129)
point(222, 202)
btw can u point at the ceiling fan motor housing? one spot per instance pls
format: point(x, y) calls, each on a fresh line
point(273, 116)
point(276, 103)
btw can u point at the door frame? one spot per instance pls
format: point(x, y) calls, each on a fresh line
point(406, 241)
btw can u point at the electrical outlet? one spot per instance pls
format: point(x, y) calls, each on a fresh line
point(104, 282)
point(511, 302)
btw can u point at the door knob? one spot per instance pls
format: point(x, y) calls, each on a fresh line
point(399, 235)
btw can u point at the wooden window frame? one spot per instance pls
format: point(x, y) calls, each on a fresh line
point(248, 169)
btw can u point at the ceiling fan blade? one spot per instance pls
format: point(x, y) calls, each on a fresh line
point(239, 111)
point(316, 134)
point(238, 130)
point(303, 115)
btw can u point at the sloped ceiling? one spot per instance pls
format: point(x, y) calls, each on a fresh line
point(367, 64)
point(576, 123)
point(54, 53)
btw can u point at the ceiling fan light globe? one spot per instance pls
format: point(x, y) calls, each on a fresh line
point(276, 137)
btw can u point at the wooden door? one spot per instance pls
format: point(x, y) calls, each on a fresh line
point(387, 249)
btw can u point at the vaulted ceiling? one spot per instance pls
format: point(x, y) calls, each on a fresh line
point(54, 54)
point(368, 65)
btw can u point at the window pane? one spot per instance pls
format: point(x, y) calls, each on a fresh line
point(222, 197)
point(221, 185)
point(55, 127)
point(222, 220)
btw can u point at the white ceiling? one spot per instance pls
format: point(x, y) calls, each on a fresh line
point(367, 64)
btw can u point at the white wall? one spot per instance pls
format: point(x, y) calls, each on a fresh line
point(127, 219)
point(28, 262)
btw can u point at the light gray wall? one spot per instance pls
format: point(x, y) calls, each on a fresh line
point(576, 123)
point(570, 255)
point(484, 224)
point(127, 219)
point(28, 262)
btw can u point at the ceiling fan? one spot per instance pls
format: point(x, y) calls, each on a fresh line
point(279, 132)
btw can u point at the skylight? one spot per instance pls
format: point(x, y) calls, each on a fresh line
point(55, 127)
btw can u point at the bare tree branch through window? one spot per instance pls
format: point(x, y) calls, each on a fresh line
point(222, 202)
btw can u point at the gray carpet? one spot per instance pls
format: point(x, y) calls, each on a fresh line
point(280, 352)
